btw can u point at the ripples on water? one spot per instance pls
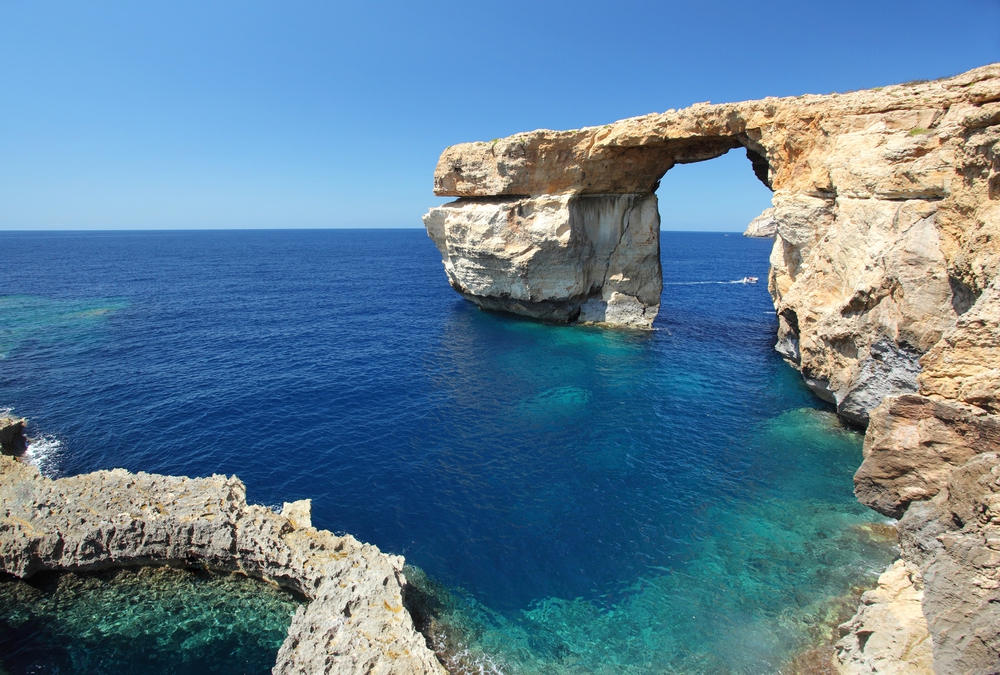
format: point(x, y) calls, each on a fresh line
point(581, 500)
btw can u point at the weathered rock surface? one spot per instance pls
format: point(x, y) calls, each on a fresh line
point(589, 258)
point(912, 446)
point(763, 226)
point(933, 457)
point(965, 364)
point(355, 621)
point(889, 633)
point(954, 540)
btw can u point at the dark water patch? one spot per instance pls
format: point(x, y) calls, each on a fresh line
point(154, 621)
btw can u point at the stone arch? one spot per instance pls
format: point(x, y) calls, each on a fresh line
point(881, 203)
point(569, 234)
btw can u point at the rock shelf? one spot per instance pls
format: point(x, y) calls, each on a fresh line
point(354, 622)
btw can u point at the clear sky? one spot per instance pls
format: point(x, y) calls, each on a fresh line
point(325, 114)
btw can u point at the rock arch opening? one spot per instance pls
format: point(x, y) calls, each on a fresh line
point(722, 194)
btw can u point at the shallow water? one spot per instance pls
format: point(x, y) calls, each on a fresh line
point(154, 621)
point(584, 500)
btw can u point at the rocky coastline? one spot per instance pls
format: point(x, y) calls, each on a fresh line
point(885, 276)
point(355, 620)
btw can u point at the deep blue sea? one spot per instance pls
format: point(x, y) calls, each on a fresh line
point(573, 499)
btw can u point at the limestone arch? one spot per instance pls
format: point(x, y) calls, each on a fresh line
point(569, 236)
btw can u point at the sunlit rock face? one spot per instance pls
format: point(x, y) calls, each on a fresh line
point(763, 226)
point(590, 258)
point(884, 276)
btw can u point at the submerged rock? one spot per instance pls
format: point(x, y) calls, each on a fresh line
point(355, 621)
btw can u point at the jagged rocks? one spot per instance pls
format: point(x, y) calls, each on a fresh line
point(355, 621)
point(912, 445)
point(965, 364)
point(954, 540)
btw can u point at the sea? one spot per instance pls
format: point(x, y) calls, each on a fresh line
point(568, 499)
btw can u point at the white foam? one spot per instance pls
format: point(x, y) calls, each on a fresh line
point(44, 453)
point(463, 659)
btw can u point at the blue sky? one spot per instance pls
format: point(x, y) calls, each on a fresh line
point(322, 114)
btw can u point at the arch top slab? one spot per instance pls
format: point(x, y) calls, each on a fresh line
point(793, 135)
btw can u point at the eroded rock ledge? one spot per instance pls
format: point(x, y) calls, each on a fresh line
point(884, 275)
point(355, 621)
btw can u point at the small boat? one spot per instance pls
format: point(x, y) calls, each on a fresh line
point(748, 280)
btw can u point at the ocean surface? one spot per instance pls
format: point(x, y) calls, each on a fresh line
point(572, 499)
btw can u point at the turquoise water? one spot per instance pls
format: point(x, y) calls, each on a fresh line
point(576, 499)
point(758, 581)
point(152, 620)
point(51, 323)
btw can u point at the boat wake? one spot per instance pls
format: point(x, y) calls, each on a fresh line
point(744, 280)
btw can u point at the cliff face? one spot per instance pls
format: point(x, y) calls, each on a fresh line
point(354, 622)
point(763, 226)
point(562, 257)
point(884, 275)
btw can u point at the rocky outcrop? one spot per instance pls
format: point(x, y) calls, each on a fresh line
point(965, 364)
point(884, 275)
point(563, 258)
point(931, 457)
point(954, 540)
point(12, 438)
point(354, 622)
point(763, 226)
point(912, 446)
point(889, 633)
